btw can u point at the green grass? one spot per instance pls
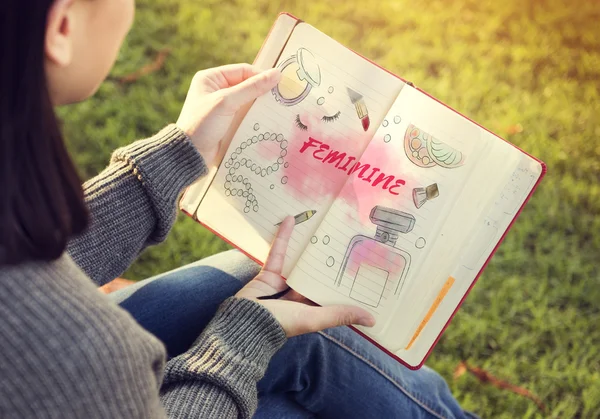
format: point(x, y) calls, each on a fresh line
point(533, 318)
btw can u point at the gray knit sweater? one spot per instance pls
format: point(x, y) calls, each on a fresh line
point(67, 351)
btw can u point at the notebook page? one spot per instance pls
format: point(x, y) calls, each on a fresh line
point(282, 160)
point(436, 281)
point(418, 164)
point(492, 226)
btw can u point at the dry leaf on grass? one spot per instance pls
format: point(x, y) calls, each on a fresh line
point(115, 285)
point(486, 377)
point(155, 65)
point(514, 129)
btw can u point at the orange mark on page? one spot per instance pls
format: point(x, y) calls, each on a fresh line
point(441, 295)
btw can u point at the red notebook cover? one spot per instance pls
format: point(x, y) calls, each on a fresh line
point(518, 212)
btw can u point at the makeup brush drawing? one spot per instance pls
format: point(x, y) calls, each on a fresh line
point(361, 107)
point(422, 195)
point(302, 217)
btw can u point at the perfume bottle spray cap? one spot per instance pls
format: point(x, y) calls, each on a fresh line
point(390, 222)
point(402, 222)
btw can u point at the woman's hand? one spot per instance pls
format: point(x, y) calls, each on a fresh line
point(295, 313)
point(215, 96)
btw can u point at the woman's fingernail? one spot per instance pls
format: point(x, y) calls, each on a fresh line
point(274, 72)
point(368, 321)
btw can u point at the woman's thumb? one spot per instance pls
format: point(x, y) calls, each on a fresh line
point(251, 88)
point(340, 315)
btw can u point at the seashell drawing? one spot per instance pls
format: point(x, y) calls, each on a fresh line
point(426, 151)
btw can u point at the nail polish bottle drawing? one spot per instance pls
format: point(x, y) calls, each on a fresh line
point(373, 268)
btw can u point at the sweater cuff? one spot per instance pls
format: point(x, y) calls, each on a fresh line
point(165, 163)
point(249, 329)
point(231, 355)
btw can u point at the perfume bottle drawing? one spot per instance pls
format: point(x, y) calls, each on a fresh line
point(373, 268)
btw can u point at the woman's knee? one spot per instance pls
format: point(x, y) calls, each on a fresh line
point(232, 262)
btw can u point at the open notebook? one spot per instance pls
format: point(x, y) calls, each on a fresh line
point(399, 200)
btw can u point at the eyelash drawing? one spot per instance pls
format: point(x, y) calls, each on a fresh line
point(325, 118)
point(332, 117)
point(299, 123)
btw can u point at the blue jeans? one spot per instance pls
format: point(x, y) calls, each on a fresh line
point(332, 374)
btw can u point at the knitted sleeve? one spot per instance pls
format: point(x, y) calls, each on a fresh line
point(133, 202)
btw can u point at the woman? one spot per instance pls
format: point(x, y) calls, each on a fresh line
point(66, 350)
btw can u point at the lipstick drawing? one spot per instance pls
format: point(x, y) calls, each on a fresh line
point(302, 217)
point(361, 108)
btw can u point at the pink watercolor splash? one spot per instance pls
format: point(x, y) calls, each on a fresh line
point(382, 256)
point(361, 195)
point(310, 177)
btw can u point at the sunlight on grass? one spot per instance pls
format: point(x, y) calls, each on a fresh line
point(529, 73)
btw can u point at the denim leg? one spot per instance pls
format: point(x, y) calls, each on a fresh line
point(281, 406)
point(333, 374)
point(176, 306)
point(339, 374)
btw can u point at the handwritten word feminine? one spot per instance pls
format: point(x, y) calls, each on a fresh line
point(343, 162)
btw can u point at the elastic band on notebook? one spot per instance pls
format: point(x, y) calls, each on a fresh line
point(275, 296)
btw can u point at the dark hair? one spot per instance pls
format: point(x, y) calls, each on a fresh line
point(41, 198)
